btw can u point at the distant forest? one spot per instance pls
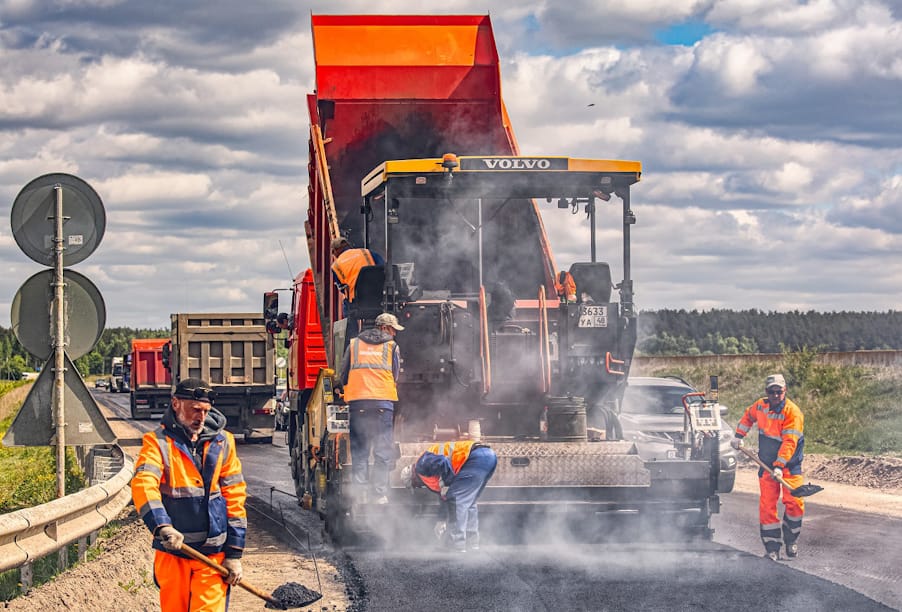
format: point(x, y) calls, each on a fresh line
point(661, 332)
point(719, 332)
point(114, 342)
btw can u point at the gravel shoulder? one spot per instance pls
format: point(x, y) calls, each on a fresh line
point(121, 577)
point(863, 484)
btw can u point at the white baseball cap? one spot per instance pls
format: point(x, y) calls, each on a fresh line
point(775, 380)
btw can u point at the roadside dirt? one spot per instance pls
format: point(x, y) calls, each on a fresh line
point(121, 578)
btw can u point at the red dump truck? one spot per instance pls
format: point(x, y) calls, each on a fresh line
point(412, 155)
point(151, 383)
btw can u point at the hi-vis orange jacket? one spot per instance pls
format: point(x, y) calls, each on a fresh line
point(205, 503)
point(347, 267)
point(434, 461)
point(370, 373)
point(781, 439)
point(565, 286)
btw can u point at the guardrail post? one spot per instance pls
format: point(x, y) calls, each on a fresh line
point(82, 550)
point(26, 577)
point(62, 559)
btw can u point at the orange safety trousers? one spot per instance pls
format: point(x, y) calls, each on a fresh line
point(187, 585)
point(770, 495)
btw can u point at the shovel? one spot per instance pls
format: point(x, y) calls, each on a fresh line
point(291, 595)
point(804, 490)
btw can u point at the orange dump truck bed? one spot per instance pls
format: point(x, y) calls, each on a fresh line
point(396, 87)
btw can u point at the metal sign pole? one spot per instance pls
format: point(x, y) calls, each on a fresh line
point(59, 347)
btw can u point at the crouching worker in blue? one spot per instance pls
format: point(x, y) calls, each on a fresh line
point(458, 472)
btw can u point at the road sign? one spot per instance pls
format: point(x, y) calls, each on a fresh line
point(33, 216)
point(34, 426)
point(31, 314)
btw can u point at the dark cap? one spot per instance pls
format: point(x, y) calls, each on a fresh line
point(195, 389)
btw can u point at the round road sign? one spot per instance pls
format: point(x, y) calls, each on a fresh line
point(34, 212)
point(32, 321)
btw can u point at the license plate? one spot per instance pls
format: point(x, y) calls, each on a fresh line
point(593, 316)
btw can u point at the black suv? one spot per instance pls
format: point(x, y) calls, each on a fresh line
point(652, 417)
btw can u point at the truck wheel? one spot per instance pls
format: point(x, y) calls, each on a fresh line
point(133, 407)
point(726, 481)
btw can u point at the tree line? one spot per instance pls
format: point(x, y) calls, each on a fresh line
point(113, 342)
point(724, 332)
point(661, 332)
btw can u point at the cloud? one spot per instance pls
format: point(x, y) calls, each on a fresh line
point(770, 143)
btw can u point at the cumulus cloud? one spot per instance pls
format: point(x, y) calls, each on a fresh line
point(771, 141)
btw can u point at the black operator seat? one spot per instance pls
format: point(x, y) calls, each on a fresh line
point(593, 279)
point(367, 302)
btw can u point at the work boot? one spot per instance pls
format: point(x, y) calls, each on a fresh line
point(792, 550)
point(381, 501)
point(773, 555)
point(472, 541)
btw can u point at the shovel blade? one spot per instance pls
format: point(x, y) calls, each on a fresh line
point(293, 595)
point(807, 490)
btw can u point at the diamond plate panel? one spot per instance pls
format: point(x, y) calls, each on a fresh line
point(543, 464)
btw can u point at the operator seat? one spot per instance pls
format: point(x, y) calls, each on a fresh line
point(367, 302)
point(594, 279)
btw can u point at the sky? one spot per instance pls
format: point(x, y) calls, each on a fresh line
point(770, 133)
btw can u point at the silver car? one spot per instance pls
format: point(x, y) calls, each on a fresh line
point(652, 417)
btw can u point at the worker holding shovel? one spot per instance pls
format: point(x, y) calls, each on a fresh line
point(780, 444)
point(190, 492)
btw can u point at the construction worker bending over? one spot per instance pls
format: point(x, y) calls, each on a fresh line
point(369, 375)
point(189, 490)
point(780, 444)
point(458, 472)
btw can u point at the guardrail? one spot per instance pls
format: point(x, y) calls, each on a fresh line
point(29, 534)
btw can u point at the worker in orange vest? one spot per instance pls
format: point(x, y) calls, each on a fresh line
point(369, 377)
point(565, 287)
point(458, 472)
point(781, 442)
point(189, 490)
point(345, 270)
point(347, 264)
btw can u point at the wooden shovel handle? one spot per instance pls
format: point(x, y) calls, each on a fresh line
point(754, 457)
point(198, 556)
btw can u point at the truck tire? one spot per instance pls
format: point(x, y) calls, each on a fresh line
point(133, 407)
point(726, 481)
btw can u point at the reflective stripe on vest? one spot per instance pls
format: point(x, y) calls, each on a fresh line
point(458, 451)
point(370, 375)
point(347, 267)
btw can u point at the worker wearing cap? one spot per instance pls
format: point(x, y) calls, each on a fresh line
point(458, 472)
point(780, 444)
point(369, 376)
point(189, 489)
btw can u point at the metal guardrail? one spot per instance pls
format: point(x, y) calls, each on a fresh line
point(32, 533)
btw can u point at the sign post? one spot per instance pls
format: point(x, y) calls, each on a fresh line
point(71, 326)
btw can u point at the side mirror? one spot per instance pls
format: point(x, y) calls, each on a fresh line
point(270, 305)
point(167, 351)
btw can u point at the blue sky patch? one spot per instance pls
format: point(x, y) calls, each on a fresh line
point(686, 33)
